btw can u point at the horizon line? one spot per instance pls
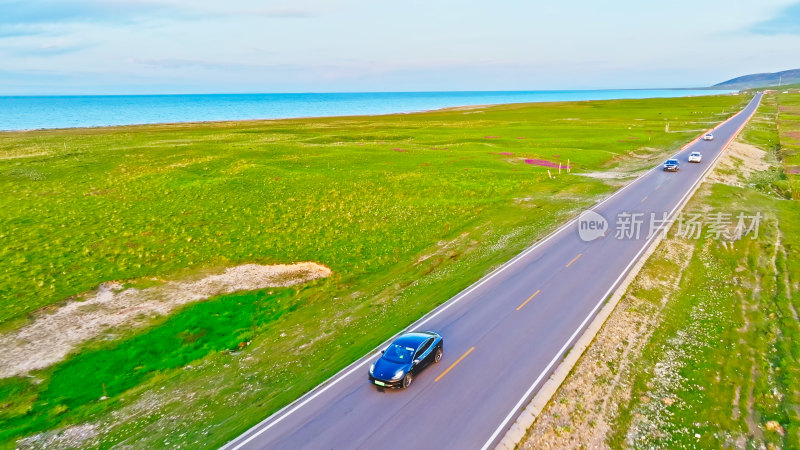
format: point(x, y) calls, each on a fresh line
point(714, 88)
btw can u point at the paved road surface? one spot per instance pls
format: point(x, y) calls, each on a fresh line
point(512, 346)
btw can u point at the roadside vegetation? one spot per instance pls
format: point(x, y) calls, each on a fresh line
point(704, 349)
point(406, 210)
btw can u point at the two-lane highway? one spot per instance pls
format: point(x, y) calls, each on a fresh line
point(503, 336)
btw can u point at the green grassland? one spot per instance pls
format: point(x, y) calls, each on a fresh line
point(366, 196)
point(726, 351)
point(789, 125)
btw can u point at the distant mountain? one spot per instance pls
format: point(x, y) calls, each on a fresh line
point(762, 80)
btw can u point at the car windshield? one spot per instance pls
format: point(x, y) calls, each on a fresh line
point(399, 354)
point(672, 161)
point(695, 154)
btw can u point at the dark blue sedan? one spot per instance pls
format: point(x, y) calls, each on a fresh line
point(406, 357)
point(672, 165)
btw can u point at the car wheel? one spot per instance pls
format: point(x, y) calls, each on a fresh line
point(438, 356)
point(407, 381)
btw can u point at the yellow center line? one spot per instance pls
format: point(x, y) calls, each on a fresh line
point(454, 364)
point(645, 198)
point(574, 259)
point(529, 299)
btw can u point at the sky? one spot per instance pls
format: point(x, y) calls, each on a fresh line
point(199, 46)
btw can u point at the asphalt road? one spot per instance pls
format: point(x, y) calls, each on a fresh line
point(505, 334)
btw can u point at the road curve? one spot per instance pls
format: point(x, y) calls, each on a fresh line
point(506, 332)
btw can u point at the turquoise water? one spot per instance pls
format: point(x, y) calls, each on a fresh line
point(23, 113)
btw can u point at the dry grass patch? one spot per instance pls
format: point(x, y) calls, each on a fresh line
point(738, 163)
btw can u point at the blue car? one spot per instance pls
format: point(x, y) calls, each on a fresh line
point(671, 165)
point(405, 358)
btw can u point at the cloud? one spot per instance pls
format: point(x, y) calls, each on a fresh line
point(181, 63)
point(48, 17)
point(280, 13)
point(54, 49)
point(787, 21)
point(17, 31)
point(188, 68)
point(31, 12)
point(21, 18)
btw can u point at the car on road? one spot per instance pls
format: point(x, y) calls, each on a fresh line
point(695, 157)
point(671, 165)
point(708, 137)
point(405, 358)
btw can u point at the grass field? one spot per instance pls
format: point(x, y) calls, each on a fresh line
point(727, 351)
point(406, 210)
point(789, 125)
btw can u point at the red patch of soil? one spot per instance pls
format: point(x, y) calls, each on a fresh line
point(794, 170)
point(545, 163)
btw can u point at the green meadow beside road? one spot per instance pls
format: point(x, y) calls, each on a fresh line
point(406, 210)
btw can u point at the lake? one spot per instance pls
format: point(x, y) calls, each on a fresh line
point(33, 112)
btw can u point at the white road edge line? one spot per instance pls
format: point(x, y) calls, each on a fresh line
point(279, 415)
point(560, 353)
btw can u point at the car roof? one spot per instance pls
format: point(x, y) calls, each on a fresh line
point(695, 153)
point(413, 340)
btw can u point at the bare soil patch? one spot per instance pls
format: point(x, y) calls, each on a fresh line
point(737, 163)
point(444, 247)
point(608, 175)
point(71, 437)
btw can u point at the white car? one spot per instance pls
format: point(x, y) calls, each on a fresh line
point(708, 137)
point(695, 157)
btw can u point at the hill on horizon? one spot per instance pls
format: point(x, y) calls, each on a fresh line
point(762, 80)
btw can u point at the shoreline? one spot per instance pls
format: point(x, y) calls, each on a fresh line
point(316, 117)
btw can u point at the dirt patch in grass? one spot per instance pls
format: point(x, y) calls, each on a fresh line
point(72, 437)
point(610, 175)
point(738, 162)
point(465, 108)
point(546, 163)
point(53, 335)
point(630, 165)
point(443, 248)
